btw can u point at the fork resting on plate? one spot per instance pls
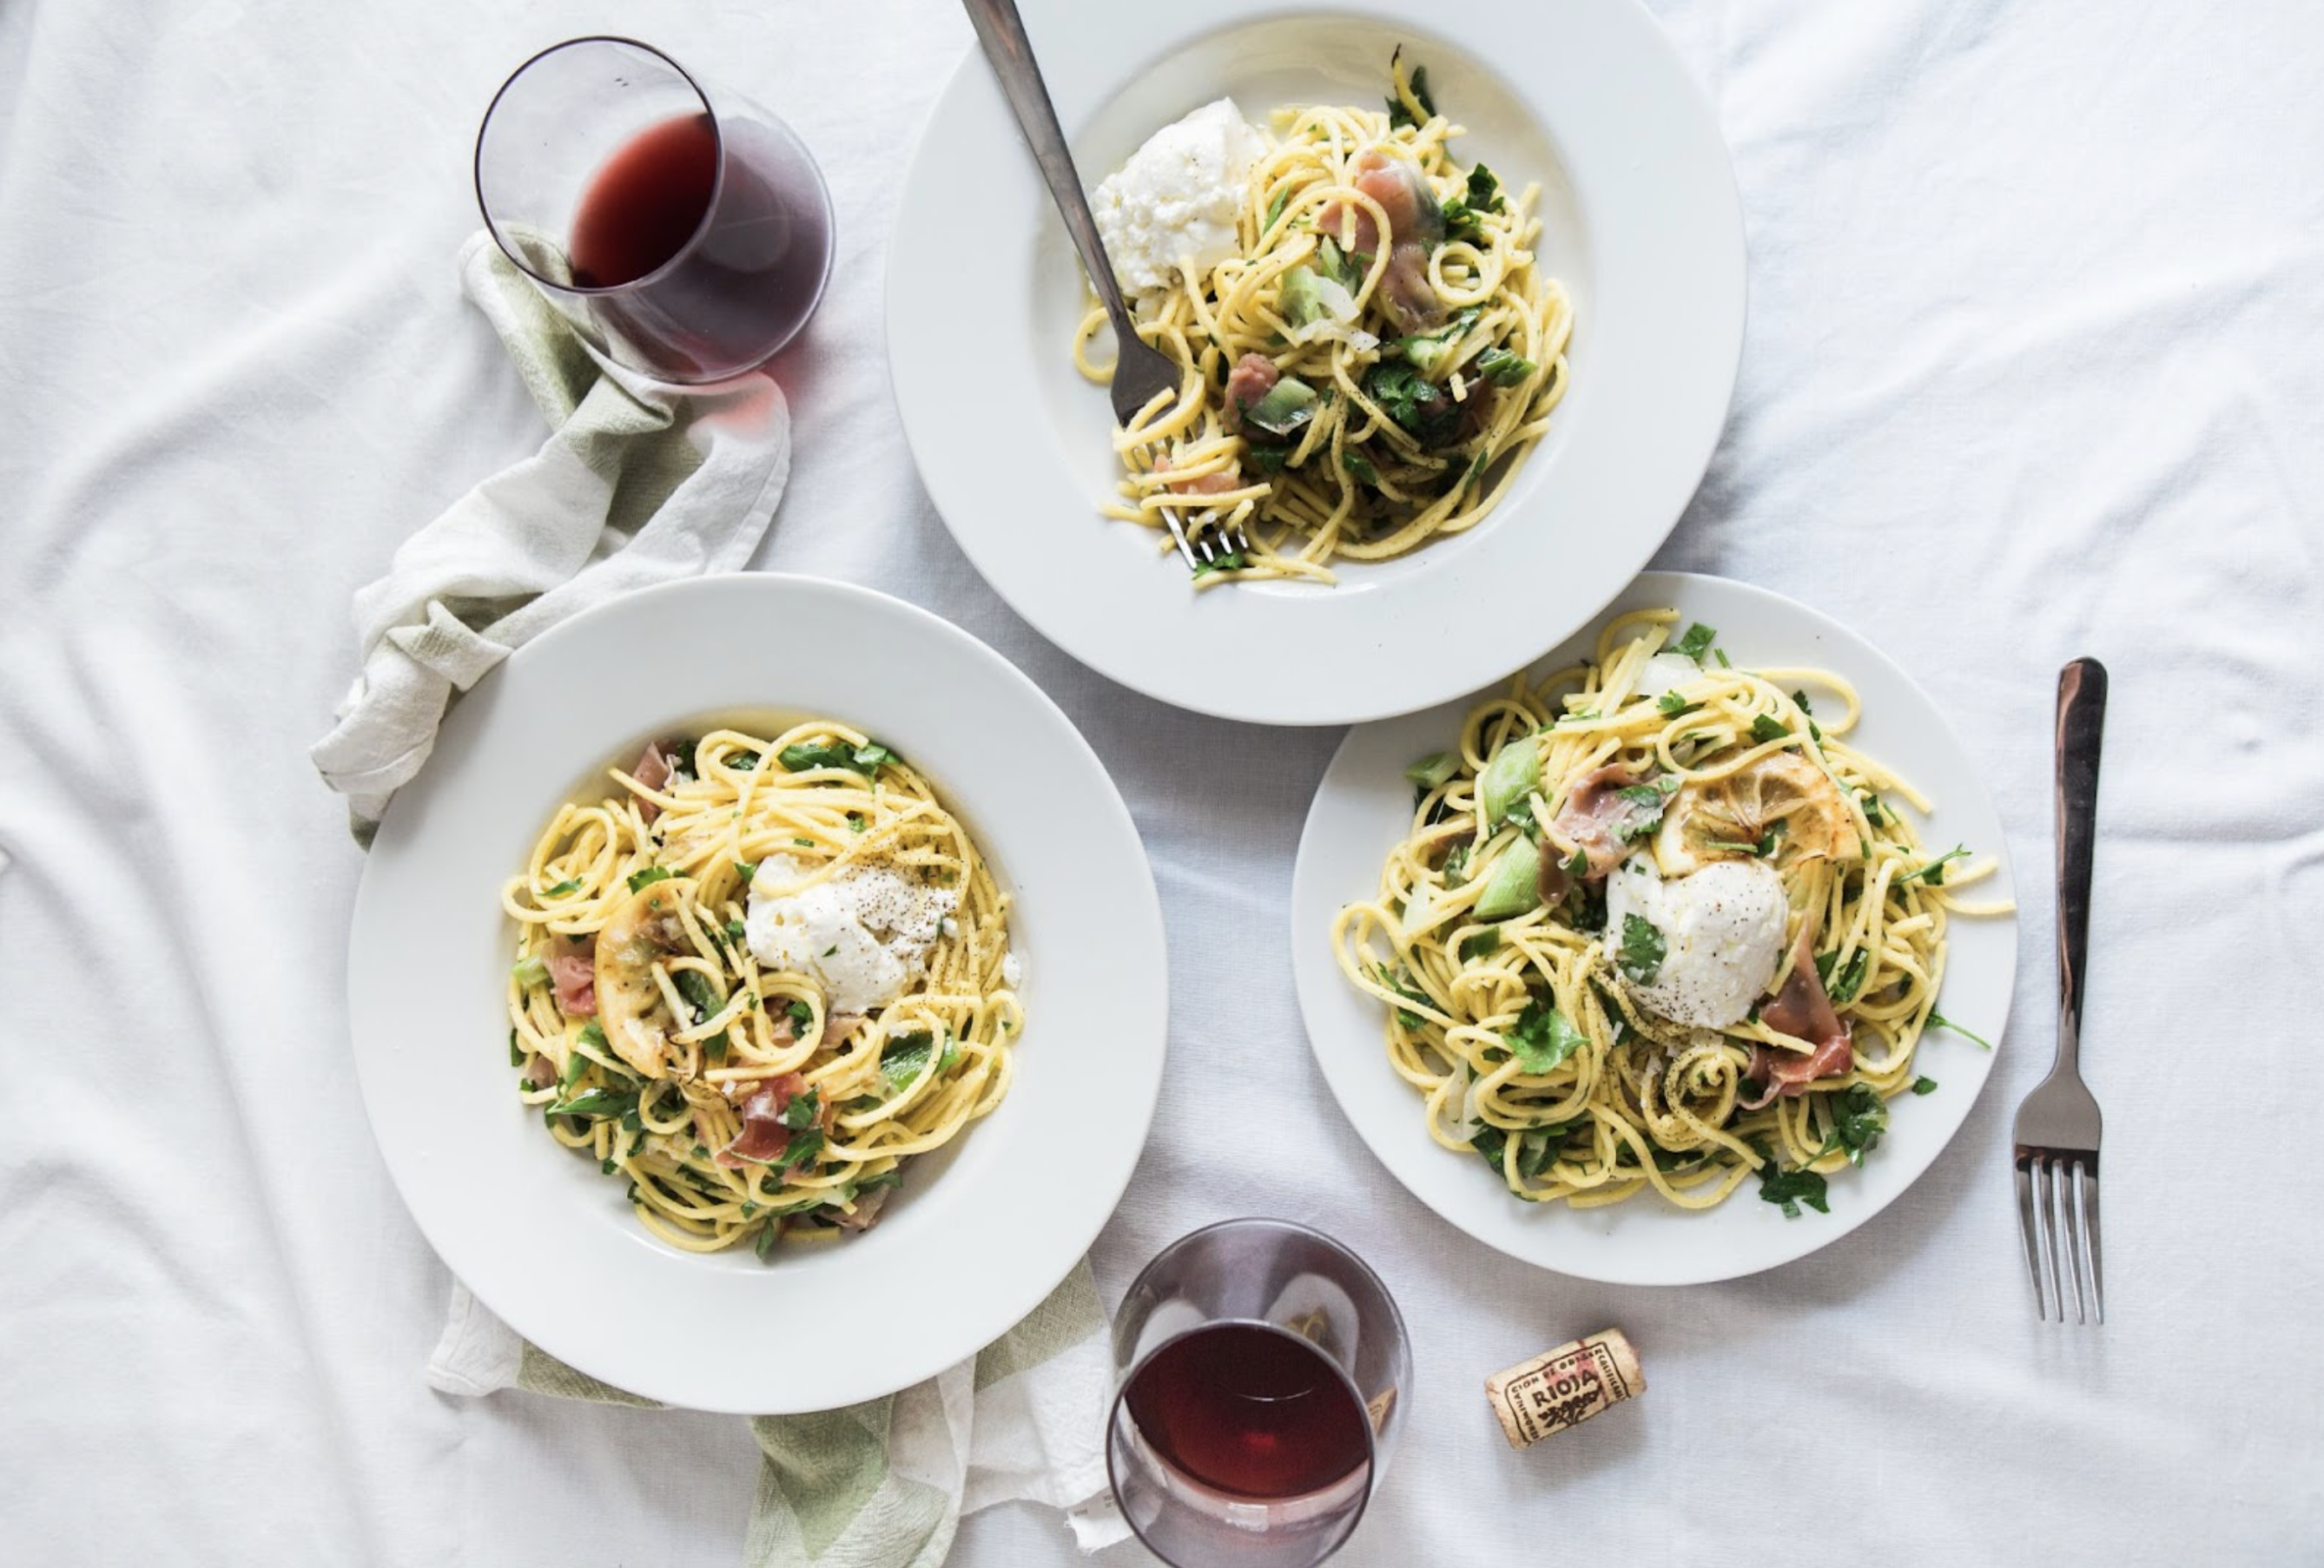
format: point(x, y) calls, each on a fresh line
point(1142, 372)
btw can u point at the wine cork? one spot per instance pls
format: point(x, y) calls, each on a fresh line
point(1564, 1388)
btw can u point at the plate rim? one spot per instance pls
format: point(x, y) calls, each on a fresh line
point(924, 379)
point(1134, 1059)
point(1410, 1156)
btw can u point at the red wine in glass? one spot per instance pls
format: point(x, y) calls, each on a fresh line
point(685, 232)
point(1250, 1410)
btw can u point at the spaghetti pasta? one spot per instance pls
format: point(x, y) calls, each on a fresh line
point(1367, 370)
point(1540, 1034)
point(672, 1027)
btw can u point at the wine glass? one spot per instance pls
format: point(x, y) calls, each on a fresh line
point(1261, 1370)
point(684, 230)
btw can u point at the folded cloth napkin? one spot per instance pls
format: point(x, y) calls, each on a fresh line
point(639, 482)
point(883, 1484)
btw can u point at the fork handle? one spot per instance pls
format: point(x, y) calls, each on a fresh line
point(2081, 725)
point(1002, 32)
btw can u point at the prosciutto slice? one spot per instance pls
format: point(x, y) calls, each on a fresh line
point(1416, 226)
point(1802, 1010)
point(1597, 815)
point(652, 769)
point(1253, 377)
point(763, 1138)
point(573, 970)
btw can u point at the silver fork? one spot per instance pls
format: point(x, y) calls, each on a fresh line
point(2058, 1126)
point(1140, 372)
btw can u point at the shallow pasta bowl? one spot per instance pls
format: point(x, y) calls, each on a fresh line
point(1640, 221)
point(982, 1230)
point(1363, 808)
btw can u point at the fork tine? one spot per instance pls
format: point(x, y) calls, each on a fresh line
point(2052, 1193)
point(2029, 1227)
point(2086, 1193)
point(2069, 1214)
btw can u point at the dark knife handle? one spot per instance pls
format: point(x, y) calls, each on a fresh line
point(2081, 726)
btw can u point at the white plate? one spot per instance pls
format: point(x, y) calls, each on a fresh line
point(1640, 219)
point(1364, 807)
point(982, 1230)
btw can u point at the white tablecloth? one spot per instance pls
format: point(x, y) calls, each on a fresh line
point(2034, 368)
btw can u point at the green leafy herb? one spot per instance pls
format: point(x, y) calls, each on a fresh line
point(1359, 467)
point(1791, 1189)
point(1477, 466)
point(1270, 456)
point(1477, 947)
point(1696, 642)
point(805, 756)
point(529, 971)
point(1643, 949)
point(571, 885)
point(1456, 865)
point(1577, 864)
point(802, 1110)
point(1504, 369)
point(648, 877)
point(1933, 873)
point(746, 869)
point(1872, 808)
point(831, 949)
point(735, 930)
point(592, 1034)
point(1492, 1144)
point(1545, 1037)
point(803, 843)
point(801, 1013)
point(517, 1055)
point(716, 1045)
point(597, 1105)
point(906, 1058)
point(1275, 208)
point(1925, 1085)
point(1414, 402)
point(1764, 730)
point(696, 987)
point(1939, 1021)
point(872, 754)
point(856, 822)
point(767, 1233)
point(1671, 705)
point(1858, 1118)
point(1232, 560)
point(1403, 988)
point(1848, 978)
point(1416, 85)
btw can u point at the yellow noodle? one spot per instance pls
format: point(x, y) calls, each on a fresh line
point(662, 1130)
point(1642, 1103)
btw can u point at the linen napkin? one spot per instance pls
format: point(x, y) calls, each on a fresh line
point(639, 482)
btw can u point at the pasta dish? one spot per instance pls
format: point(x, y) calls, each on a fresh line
point(1657, 926)
point(758, 978)
point(1369, 345)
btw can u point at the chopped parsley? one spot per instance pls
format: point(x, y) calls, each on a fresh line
point(905, 1058)
point(1858, 1118)
point(1841, 982)
point(801, 1013)
point(1696, 642)
point(648, 877)
point(1232, 560)
point(1939, 1021)
point(1671, 705)
point(1504, 369)
point(1933, 873)
point(1275, 208)
point(735, 930)
point(1791, 1189)
point(1643, 950)
point(1764, 730)
point(1415, 87)
point(1477, 947)
point(571, 885)
point(1416, 404)
point(598, 1104)
point(517, 1053)
point(1925, 1085)
point(1402, 989)
point(1360, 468)
point(801, 1112)
point(746, 869)
point(1542, 1038)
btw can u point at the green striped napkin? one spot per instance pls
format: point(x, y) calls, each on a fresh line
point(883, 1484)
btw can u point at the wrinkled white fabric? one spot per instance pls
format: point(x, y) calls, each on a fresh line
point(546, 538)
point(2031, 372)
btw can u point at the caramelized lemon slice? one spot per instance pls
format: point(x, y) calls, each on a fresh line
point(1730, 818)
